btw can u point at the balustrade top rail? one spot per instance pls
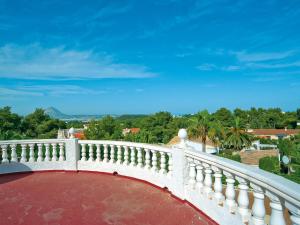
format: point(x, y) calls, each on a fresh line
point(128, 144)
point(31, 141)
point(282, 187)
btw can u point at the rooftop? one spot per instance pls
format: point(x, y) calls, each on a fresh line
point(89, 198)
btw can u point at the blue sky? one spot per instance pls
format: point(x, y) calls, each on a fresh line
point(145, 56)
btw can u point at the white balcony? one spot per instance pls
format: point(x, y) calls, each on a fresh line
point(226, 191)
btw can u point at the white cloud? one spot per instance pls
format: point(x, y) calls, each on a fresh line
point(50, 90)
point(206, 67)
point(36, 62)
point(243, 56)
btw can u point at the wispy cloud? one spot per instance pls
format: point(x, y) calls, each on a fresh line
point(47, 90)
point(207, 67)
point(262, 56)
point(36, 62)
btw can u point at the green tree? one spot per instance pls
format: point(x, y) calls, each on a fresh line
point(224, 116)
point(237, 138)
point(200, 127)
point(270, 164)
point(10, 124)
point(106, 128)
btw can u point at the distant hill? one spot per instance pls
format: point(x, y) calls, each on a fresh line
point(56, 114)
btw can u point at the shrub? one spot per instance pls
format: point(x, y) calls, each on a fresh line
point(230, 155)
point(270, 163)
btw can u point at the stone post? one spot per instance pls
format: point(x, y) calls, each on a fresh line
point(180, 166)
point(72, 152)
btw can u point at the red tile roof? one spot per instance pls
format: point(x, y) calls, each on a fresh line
point(135, 130)
point(274, 131)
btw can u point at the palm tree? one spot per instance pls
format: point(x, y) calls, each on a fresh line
point(237, 137)
point(200, 127)
point(217, 134)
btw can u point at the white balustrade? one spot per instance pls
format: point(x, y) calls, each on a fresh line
point(61, 152)
point(132, 156)
point(112, 153)
point(31, 153)
point(230, 192)
point(192, 175)
point(170, 164)
point(14, 157)
point(139, 157)
point(119, 154)
point(199, 177)
point(258, 207)
point(154, 160)
point(4, 153)
point(98, 153)
point(83, 152)
point(163, 169)
point(276, 217)
point(188, 174)
point(91, 153)
point(106, 153)
point(23, 154)
point(54, 152)
point(147, 159)
point(243, 199)
point(40, 152)
point(126, 155)
point(207, 180)
point(218, 187)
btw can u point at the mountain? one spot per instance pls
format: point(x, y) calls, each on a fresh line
point(56, 114)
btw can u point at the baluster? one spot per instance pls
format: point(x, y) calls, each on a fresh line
point(170, 164)
point(119, 154)
point(91, 153)
point(61, 152)
point(105, 153)
point(4, 154)
point(207, 180)
point(230, 192)
point(295, 211)
point(83, 152)
point(40, 152)
point(192, 175)
point(147, 159)
point(31, 153)
point(112, 153)
point(163, 163)
point(23, 154)
point(132, 156)
point(199, 177)
point(54, 152)
point(243, 199)
point(47, 153)
point(126, 155)
point(277, 217)
point(258, 207)
point(139, 157)
point(98, 153)
point(154, 161)
point(218, 187)
point(14, 157)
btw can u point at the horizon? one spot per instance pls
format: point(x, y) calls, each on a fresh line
point(132, 57)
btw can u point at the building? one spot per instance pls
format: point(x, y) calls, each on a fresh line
point(133, 130)
point(64, 133)
point(273, 134)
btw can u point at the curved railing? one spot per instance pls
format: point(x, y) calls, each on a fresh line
point(228, 192)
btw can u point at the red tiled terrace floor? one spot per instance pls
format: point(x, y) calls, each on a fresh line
point(89, 198)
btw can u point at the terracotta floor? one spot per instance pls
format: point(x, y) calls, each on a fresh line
point(89, 198)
